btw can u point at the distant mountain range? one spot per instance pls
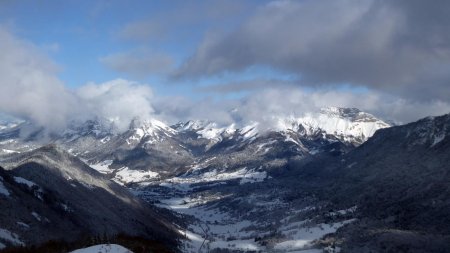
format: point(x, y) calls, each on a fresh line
point(319, 181)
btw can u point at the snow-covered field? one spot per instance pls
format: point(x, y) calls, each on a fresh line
point(300, 237)
point(244, 175)
point(125, 175)
point(102, 167)
point(214, 229)
point(103, 248)
point(211, 226)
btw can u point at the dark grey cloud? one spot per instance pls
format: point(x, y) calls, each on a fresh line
point(182, 20)
point(245, 86)
point(399, 46)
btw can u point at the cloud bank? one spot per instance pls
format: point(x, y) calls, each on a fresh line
point(401, 46)
point(262, 106)
point(30, 89)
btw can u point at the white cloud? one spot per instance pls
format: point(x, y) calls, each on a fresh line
point(262, 106)
point(28, 84)
point(117, 100)
point(30, 89)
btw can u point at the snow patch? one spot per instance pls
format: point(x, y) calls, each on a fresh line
point(289, 139)
point(250, 132)
point(438, 138)
point(351, 165)
point(9, 151)
point(103, 167)
point(10, 237)
point(126, 175)
point(261, 146)
point(36, 216)
point(24, 181)
point(105, 140)
point(253, 176)
point(103, 248)
point(22, 224)
point(302, 237)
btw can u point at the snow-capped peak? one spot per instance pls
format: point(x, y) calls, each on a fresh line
point(347, 124)
point(152, 128)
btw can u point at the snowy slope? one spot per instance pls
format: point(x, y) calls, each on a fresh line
point(103, 248)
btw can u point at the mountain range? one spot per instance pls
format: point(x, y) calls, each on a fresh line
point(335, 179)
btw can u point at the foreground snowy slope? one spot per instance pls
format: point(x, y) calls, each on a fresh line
point(103, 248)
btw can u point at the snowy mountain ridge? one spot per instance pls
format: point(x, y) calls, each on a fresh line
point(347, 124)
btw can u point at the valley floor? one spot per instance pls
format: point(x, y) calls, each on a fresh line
point(228, 220)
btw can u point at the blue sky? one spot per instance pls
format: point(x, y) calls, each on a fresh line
point(77, 34)
point(204, 59)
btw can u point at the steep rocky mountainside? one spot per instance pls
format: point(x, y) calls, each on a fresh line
point(398, 179)
point(48, 194)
